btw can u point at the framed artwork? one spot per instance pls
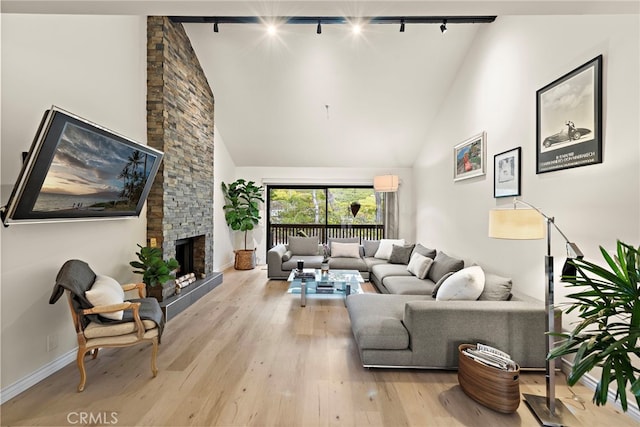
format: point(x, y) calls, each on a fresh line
point(506, 179)
point(569, 119)
point(469, 158)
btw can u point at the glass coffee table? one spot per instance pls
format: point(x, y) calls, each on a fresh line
point(332, 285)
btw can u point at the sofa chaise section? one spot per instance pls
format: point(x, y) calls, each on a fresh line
point(416, 331)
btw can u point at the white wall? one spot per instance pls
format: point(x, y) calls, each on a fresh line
point(95, 67)
point(328, 176)
point(495, 91)
point(223, 171)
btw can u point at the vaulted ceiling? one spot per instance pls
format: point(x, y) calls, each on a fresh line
point(333, 99)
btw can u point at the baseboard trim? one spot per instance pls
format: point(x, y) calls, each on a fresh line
point(35, 377)
point(590, 382)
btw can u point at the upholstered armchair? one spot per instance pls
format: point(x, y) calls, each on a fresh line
point(103, 317)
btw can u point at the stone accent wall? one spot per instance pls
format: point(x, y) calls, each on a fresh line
point(180, 107)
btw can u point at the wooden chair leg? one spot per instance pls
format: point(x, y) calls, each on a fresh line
point(83, 373)
point(94, 353)
point(154, 353)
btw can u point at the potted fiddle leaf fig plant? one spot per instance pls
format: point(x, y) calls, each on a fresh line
point(242, 213)
point(608, 305)
point(157, 273)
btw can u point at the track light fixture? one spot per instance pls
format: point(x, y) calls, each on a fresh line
point(356, 22)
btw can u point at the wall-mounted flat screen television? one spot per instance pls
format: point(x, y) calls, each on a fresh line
point(77, 170)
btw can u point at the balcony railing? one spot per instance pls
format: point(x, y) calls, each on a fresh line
point(279, 233)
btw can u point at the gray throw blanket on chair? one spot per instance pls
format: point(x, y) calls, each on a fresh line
point(77, 277)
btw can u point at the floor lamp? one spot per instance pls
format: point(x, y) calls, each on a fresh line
point(528, 224)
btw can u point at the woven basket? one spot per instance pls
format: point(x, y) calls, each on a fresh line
point(245, 259)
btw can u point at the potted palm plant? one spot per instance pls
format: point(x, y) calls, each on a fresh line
point(242, 213)
point(608, 304)
point(156, 272)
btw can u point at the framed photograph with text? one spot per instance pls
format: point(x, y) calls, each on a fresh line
point(506, 170)
point(469, 157)
point(569, 120)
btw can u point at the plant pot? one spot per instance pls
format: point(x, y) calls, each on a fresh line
point(245, 259)
point(163, 292)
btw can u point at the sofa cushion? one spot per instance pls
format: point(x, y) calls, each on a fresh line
point(400, 254)
point(419, 265)
point(310, 261)
point(376, 321)
point(348, 264)
point(443, 264)
point(386, 246)
point(408, 285)
point(439, 283)
point(496, 288)
point(385, 269)
point(429, 253)
point(345, 250)
point(466, 284)
point(303, 245)
point(106, 291)
point(370, 247)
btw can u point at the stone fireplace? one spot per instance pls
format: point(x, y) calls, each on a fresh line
point(180, 124)
point(180, 109)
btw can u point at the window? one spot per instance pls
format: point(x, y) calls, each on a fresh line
point(323, 211)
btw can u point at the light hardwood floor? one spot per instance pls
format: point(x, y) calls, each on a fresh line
point(248, 354)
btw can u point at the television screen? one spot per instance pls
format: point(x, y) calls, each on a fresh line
point(77, 170)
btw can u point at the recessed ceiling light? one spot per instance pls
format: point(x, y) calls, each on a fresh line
point(357, 28)
point(271, 29)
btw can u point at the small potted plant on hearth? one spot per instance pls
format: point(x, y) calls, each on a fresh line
point(157, 274)
point(242, 213)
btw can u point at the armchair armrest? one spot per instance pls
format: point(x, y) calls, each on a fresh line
point(141, 287)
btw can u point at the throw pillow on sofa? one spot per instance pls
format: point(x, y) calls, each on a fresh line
point(419, 265)
point(496, 288)
point(466, 284)
point(345, 250)
point(303, 245)
point(386, 246)
point(443, 264)
point(370, 247)
point(342, 240)
point(400, 254)
point(429, 253)
point(439, 283)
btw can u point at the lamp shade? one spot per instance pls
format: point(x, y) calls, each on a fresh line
point(516, 224)
point(385, 183)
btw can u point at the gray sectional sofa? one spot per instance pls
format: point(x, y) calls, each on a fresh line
point(428, 305)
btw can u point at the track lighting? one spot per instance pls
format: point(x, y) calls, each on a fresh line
point(443, 27)
point(402, 25)
point(319, 28)
point(215, 27)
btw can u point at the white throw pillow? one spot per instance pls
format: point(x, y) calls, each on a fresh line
point(419, 265)
point(386, 246)
point(466, 284)
point(345, 250)
point(106, 291)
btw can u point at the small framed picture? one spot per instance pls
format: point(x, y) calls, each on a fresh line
point(506, 169)
point(469, 157)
